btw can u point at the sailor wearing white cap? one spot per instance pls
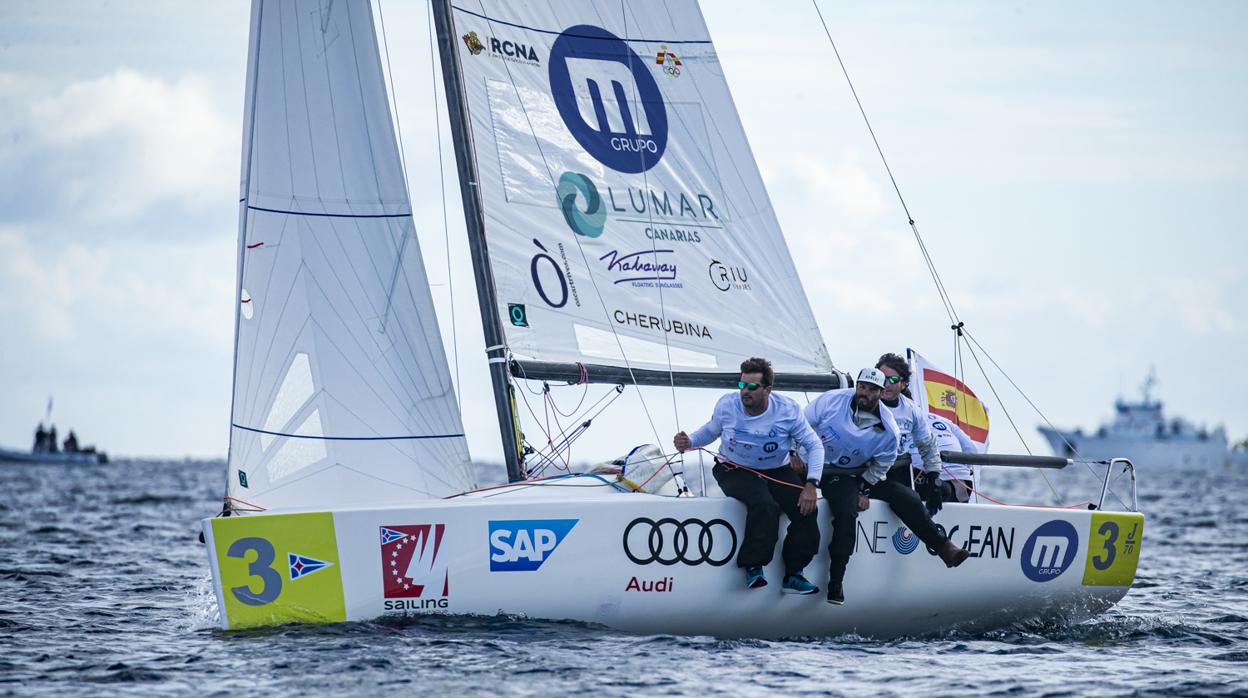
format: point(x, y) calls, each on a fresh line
point(860, 439)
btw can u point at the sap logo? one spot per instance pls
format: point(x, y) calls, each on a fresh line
point(522, 546)
point(608, 99)
point(1049, 550)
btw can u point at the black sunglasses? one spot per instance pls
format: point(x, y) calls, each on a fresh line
point(893, 380)
point(749, 386)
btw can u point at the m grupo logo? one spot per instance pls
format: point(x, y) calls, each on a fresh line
point(1049, 550)
point(668, 541)
point(608, 99)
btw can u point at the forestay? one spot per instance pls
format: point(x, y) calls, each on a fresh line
point(627, 222)
point(342, 395)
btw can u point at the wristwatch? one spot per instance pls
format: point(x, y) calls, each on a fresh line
point(812, 481)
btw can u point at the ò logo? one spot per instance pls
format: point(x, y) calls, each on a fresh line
point(519, 317)
point(587, 222)
point(540, 260)
point(608, 99)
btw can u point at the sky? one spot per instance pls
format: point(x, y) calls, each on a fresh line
point(1077, 171)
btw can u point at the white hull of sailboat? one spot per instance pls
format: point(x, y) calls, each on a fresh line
point(591, 558)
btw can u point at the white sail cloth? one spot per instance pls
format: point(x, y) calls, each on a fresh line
point(627, 221)
point(342, 395)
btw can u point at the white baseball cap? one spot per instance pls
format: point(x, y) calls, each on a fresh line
point(874, 376)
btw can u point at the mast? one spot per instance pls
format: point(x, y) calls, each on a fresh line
point(461, 133)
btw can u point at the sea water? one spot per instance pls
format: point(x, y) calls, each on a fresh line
point(104, 589)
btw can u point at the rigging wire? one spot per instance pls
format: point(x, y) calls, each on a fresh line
point(446, 228)
point(942, 290)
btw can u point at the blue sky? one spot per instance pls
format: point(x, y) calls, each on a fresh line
point(1077, 172)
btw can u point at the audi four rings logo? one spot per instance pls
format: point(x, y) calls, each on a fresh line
point(669, 541)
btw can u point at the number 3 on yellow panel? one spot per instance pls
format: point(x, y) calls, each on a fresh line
point(279, 569)
point(1113, 549)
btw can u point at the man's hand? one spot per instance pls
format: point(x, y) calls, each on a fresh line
point(796, 463)
point(809, 500)
point(928, 487)
point(681, 442)
point(864, 503)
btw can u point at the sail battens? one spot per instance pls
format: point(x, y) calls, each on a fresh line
point(329, 215)
point(495, 20)
point(402, 437)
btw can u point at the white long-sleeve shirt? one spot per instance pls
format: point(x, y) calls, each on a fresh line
point(912, 427)
point(949, 437)
point(848, 445)
point(761, 441)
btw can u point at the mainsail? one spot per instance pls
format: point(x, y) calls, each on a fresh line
point(629, 230)
point(342, 394)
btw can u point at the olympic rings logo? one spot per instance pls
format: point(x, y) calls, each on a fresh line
point(667, 541)
point(672, 71)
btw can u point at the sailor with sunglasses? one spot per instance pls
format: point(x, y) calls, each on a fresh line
point(756, 431)
point(912, 429)
point(860, 439)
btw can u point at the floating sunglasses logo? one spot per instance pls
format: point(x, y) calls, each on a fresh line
point(587, 222)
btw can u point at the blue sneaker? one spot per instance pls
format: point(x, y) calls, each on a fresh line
point(754, 578)
point(797, 584)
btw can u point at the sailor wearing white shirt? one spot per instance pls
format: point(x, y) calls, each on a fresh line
point(756, 430)
point(950, 437)
point(860, 440)
point(912, 429)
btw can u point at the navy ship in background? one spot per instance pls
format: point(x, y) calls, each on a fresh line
point(1141, 432)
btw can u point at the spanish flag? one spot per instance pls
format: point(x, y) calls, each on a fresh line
point(942, 394)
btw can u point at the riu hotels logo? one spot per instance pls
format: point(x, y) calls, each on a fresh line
point(414, 567)
point(505, 49)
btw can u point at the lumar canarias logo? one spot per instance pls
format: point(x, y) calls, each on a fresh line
point(473, 43)
point(587, 221)
point(608, 99)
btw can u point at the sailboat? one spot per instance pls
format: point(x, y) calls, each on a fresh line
point(621, 235)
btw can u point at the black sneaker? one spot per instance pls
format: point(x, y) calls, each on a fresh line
point(836, 593)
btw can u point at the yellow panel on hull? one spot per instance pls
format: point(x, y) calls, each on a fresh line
point(1113, 549)
point(279, 569)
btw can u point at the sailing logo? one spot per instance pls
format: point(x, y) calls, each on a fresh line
point(1049, 550)
point(413, 566)
point(522, 546)
point(726, 278)
point(904, 540)
point(475, 47)
point(669, 61)
point(302, 565)
point(590, 221)
point(669, 541)
point(645, 269)
point(607, 99)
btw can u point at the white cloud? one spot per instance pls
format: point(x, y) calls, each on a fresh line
point(125, 142)
point(80, 292)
